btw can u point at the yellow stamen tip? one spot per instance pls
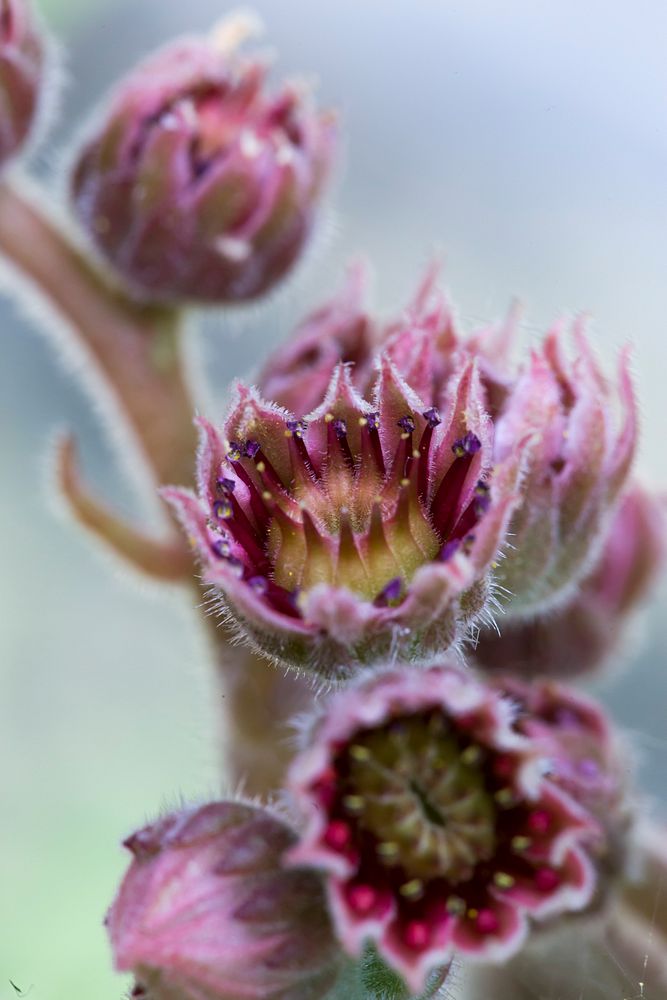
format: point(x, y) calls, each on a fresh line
point(412, 889)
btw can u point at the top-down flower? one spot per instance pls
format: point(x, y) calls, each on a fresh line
point(364, 529)
point(207, 911)
point(580, 462)
point(591, 628)
point(197, 184)
point(21, 72)
point(436, 822)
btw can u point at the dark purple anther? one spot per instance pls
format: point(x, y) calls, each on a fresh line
point(222, 548)
point(235, 452)
point(372, 419)
point(223, 509)
point(390, 593)
point(226, 485)
point(470, 444)
point(297, 427)
point(406, 424)
point(467, 544)
point(449, 550)
point(250, 449)
point(259, 584)
point(482, 499)
point(340, 428)
point(432, 416)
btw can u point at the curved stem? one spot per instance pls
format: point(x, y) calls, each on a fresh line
point(135, 348)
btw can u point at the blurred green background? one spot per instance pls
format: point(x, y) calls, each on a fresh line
point(529, 143)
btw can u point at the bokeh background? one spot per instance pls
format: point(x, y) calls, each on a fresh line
point(528, 143)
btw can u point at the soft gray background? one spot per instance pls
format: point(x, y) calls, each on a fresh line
point(527, 141)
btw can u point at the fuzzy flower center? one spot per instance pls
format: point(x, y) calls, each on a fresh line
point(425, 799)
point(433, 822)
point(350, 510)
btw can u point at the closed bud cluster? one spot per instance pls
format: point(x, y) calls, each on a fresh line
point(206, 912)
point(590, 629)
point(436, 821)
point(21, 75)
point(198, 185)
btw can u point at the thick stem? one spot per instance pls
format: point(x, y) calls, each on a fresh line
point(135, 348)
point(134, 351)
point(260, 702)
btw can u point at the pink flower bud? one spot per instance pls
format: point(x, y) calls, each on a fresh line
point(581, 457)
point(435, 822)
point(590, 629)
point(21, 70)
point(206, 912)
point(197, 184)
point(296, 375)
point(365, 528)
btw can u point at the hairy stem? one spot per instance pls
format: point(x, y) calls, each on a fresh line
point(134, 349)
point(134, 354)
point(260, 702)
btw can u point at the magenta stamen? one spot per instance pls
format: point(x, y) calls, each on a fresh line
point(337, 431)
point(403, 459)
point(267, 472)
point(448, 496)
point(476, 509)
point(371, 435)
point(259, 509)
point(432, 418)
point(244, 533)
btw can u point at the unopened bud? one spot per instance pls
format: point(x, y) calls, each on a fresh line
point(206, 911)
point(197, 184)
point(21, 71)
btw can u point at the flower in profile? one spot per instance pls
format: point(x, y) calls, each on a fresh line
point(21, 75)
point(579, 465)
point(197, 184)
point(590, 629)
point(435, 822)
point(362, 529)
point(207, 912)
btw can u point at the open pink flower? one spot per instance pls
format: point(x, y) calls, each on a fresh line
point(435, 822)
point(198, 185)
point(21, 74)
point(591, 628)
point(207, 912)
point(580, 461)
point(364, 528)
